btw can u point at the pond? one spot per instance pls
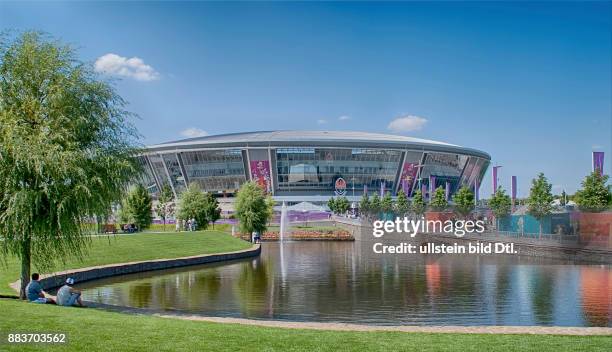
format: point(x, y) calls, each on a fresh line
point(340, 282)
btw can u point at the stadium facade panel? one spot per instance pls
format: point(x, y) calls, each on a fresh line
point(312, 165)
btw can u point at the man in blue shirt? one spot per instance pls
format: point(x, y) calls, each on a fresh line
point(35, 293)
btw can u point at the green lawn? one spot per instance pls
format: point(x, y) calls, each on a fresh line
point(128, 248)
point(96, 330)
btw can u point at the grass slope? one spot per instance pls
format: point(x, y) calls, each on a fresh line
point(129, 248)
point(96, 330)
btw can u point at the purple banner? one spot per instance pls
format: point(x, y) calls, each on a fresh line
point(447, 190)
point(382, 189)
point(476, 190)
point(598, 162)
point(408, 176)
point(432, 185)
point(424, 191)
point(365, 189)
point(260, 174)
point(513, 188)
point(495, 178)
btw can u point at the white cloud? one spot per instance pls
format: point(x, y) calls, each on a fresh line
point(134, 67)
point(344, 118)
point(321, 122)
point(193, 132)
point(407, 123)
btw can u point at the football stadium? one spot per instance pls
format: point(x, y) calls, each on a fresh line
point(312, 166)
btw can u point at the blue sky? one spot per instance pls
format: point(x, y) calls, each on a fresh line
point(530, 83)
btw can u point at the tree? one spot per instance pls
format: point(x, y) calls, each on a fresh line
point(252, 209)
point(375, 205)
point(418, 204)
point(270, 204)
point(331, 204)
point(342, 205)
point(464, 201)
point(439, 202)
point(386, 204)
point(123, 214)
point(213, 211)
point(364, 205)
point(500, 204)
point(540, 199)
point(402, 206)
point(194, 204)
point(67, 150)
point(594, 196)
point(139, 205)
point(165, 206)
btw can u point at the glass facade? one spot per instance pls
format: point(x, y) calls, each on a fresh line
point(317, 169)
point(174, 171)
point(215, 170)
point(444, 168)
point(313, 171)
point(157, 164)
point(147, 179)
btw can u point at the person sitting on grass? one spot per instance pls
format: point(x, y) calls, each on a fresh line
point(35, 293)
point(68, 296)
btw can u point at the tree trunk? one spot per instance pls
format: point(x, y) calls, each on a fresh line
point(540, 229)
point(25, 267)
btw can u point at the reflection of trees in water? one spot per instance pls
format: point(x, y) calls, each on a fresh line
point(503, 286)
point(191, 289)
point(542, 284)
point(252, 286)
point(140, 294)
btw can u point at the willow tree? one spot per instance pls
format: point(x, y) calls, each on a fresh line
point(252, 208)
point(66, 150)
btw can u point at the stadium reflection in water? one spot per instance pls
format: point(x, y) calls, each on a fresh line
point(339, 282)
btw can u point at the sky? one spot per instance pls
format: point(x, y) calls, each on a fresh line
point(529, 83)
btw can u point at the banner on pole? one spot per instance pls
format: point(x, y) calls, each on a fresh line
point(409, 171)
point(447, 190)
point(432, 185)
point(598, 162)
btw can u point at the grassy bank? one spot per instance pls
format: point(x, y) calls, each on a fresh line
point(95, 330)
point(128, 248)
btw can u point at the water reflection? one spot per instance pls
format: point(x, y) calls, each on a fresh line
point(336, 281)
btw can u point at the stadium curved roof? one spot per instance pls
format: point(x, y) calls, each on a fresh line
point(313, 139)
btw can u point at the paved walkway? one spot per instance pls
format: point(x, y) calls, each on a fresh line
point(529, 330)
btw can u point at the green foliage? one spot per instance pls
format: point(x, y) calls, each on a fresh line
point(375, 205)
point(386, 204)
point(270, 204)
point(66, 150)
point(165, 204)
point(364, 205)
point(342, 205)
point(331, 204)
point(464, 201)
point(195, 204)
point(213, 211)
point(418, 205)
point(124, 215)
point(594, 196)
point(540, 199)
point(439, 202)
point(402, 205)
point(500, 203)
point(139, 205)
point(252, 209)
